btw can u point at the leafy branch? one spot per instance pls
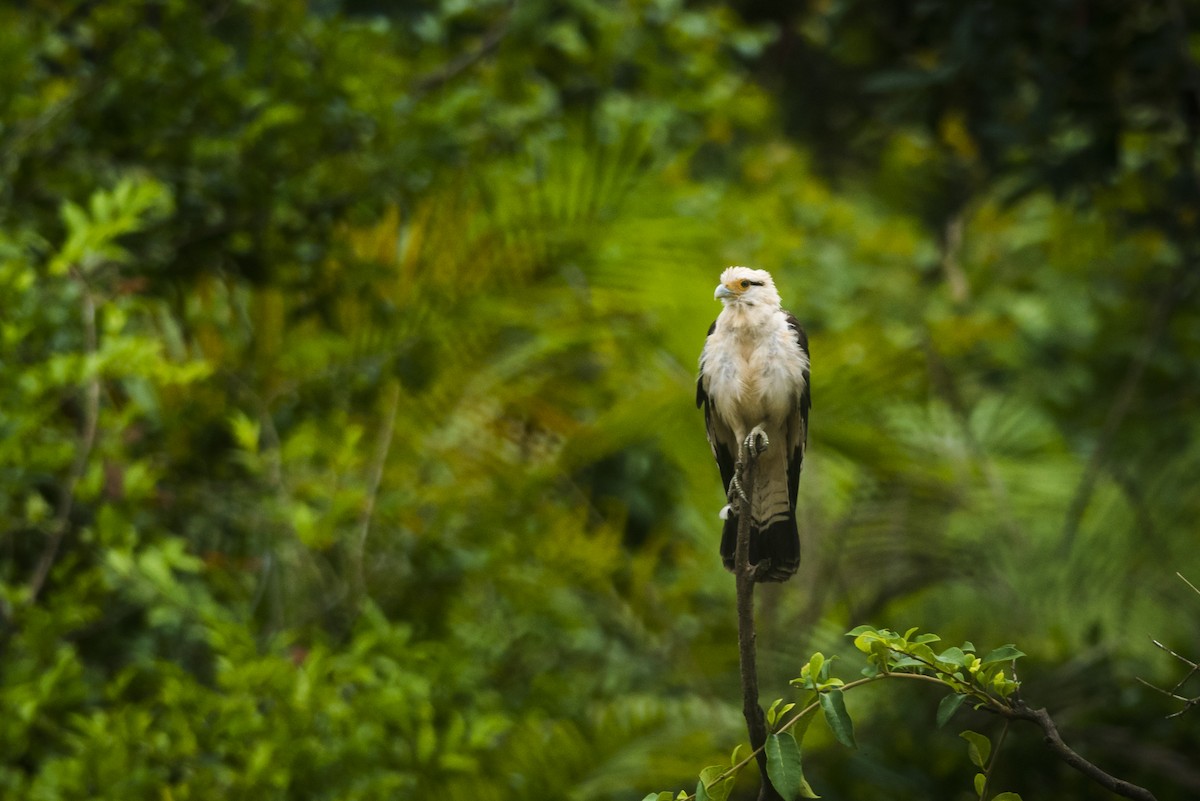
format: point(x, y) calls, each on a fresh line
point(92, 243)
point(988, 682)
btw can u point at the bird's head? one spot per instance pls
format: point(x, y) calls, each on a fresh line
point(743, 286)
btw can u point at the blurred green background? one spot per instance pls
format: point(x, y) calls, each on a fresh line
point(347, 438)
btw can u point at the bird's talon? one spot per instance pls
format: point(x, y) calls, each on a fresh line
point(757, 441)
point(736, 493)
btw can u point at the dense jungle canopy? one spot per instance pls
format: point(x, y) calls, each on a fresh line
point(348, 445)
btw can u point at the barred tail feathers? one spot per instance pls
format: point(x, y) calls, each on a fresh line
point(774, 535)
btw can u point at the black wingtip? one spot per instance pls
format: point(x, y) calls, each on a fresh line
point(777, 548)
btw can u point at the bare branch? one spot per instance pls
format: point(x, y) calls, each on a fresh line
point(1064, 752)
point(1181, 658)
point(744, 576)
point(1193, 670)
point(1188, 703)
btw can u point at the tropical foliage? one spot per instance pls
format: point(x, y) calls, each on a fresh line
point(347, 436)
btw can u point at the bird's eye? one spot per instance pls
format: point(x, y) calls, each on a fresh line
point(745, 284)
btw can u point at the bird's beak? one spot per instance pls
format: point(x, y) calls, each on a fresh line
point(723, 292)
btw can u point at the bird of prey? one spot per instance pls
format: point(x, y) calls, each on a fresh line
point(754, 377)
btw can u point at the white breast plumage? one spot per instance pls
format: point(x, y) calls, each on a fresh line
point(753, 369)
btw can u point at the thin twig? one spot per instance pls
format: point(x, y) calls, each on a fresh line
point(987, 774)
point(83, 451)
point(1194, 670)
point(1173, 692)
point(381, 453)
point(1188, 703)
point(443, 74)
point(1180, 657)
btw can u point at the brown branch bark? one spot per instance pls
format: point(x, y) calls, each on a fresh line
point(744, 577)
point(1064, 752)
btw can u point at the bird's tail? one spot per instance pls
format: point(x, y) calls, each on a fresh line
point(777, 541)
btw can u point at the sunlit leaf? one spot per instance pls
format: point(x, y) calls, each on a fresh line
point(710, 787)
point(1004, 653)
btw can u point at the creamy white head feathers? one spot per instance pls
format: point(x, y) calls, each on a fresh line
point(742, 285)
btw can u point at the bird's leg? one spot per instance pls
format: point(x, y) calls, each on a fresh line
point(735, 493)
point(755, 444)
point(757, 441)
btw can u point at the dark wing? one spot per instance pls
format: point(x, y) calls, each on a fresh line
point(722, 447)
point(798, 424)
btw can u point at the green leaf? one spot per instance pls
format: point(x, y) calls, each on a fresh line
point(776, 712)
point(947, 707)
point(711, 786)
point(908, 661)
point(1005, 653)
point(980, 784)
point(833, 704)
point(1007, 797)
point(814, 672)
point(784, 768)
point(955, 656)
point(979, 748)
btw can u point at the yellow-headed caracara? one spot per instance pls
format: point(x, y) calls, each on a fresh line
point(754, 374)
